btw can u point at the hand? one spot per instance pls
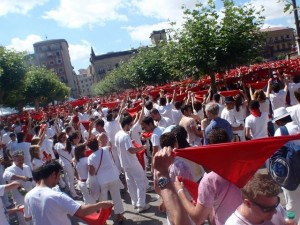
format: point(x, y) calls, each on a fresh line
point(106, 204)
point(162, 160)
point(177, 184)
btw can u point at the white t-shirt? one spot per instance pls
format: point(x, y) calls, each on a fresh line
point(135, 133)
point(176, 116)
point(35, 163)
point(3, 217)
point(164, 122)
point(5, 138)
point(166, 111)
point(278, 99)
point(295, 112)
point(258, 125)
point(157, 132)
point(82, 168)
point(47, 146)
point(293, 128)
point(237, 219)
point(65, 158)
point(107, 171)
point(24, 147)
point(123, 143)
point(49, 207)
point(292, 87)
point(112, 127)
point(229, 116)
point(265, 106)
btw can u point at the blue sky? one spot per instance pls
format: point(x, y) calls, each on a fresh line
point(106, 25)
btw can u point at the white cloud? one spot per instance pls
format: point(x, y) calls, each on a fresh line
point(78, 13)
point(272, 10)
point(142, 33)
point(24, 44)
point(18, 6)
point(163, 9)
point(80, 53)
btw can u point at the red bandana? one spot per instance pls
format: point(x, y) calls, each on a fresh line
point(255, 112)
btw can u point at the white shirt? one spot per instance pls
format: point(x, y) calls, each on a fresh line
point(258, 125)
point(166, 111)
point(176, 116)
point(293, 128)
point(15, 170)
point(157, 132)
point(112, 127)
point(292, 87)
point(3, 217)
point(35, 163)
point(295, 112)
point(123, 143)
point(24, 147)
point(135, 133)
point(107, 171)
point(164, 122)
point(229, 116)
point(278, 99)
point(65, 158)
point(49, 207)
point(82, 168)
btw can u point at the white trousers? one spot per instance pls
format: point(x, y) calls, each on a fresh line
point(137, 184)
point(293, 201)
point(114, 189)
point(87, 198)
point(69, 174)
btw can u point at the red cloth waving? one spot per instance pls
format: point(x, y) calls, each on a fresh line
point(235, 161)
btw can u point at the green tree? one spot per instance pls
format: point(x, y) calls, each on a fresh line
point(12, 74)
point(211, 42)
point(43, 86)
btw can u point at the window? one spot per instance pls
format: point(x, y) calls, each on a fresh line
point(58, 61)
point(61, 70)
point(57, 53)
point(287, 36)
point(51, 63)
point(82, 81)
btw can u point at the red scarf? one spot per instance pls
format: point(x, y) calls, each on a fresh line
point(255, 112)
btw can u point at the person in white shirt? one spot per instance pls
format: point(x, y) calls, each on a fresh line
point(176, 113)
point(292, 87)
point(256, 124)
point(45, 206)
point(295, 109)
point(134, 173)
point(277, 96)
point(282, 118)
point(160, 121)
point(20, 172)
point(261, 204)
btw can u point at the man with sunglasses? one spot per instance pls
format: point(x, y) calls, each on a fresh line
point(261, 204)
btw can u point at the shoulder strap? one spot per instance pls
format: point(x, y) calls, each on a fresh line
point(284, 131)
point(100, 162)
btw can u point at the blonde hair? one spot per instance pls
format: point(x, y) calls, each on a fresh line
point(32, 150)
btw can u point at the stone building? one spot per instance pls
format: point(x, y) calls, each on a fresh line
point(102, 64)
point(279, 41)
point(84, 82)
point(158, 36)
point(54, 55)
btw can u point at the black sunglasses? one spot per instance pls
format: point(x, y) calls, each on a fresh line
point(267, 209)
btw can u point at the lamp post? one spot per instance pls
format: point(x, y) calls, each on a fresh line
point(296, 18)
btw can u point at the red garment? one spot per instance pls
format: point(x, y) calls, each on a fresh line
point(140, 154)
point(86, 124)
point(97, 218)
point(230, 93)
point(255, 112)
point(235, 161)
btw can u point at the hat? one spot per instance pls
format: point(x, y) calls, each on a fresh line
point(279, 114)
point(17, 152)
point(229, 99)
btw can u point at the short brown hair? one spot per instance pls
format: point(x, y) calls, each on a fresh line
point(297, 94)
point(260, 185)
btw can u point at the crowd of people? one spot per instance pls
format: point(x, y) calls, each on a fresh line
point(95, 150)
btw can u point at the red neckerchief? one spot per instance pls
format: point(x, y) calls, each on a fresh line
point(255, 112)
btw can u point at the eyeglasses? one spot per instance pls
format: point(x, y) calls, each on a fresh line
point(267, 209)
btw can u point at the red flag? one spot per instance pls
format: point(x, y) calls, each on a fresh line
point(229, 93)
point(140, 154)
point(97, 218)
point(86, 124)
point(191, 186)
point(235, 161)
point(258, 85)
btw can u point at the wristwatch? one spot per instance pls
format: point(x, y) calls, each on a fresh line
point(162, 182)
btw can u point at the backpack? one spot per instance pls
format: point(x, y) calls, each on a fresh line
point(284, 165)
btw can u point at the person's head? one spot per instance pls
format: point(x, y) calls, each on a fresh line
point(13, 136)
point(110, 117)
point(259, 95)
point(162, 101)
point(197, 106)
point(168, 140)
point(148, 124)
point(62, 137)
point(34, 151)
point(155, 115)
point(276, 87)
point(181, 135)
point(254, 105)
point(103, 140)
point(216, 97)
point(218, 135)
point(229, 102)
point(99, 124)
point(18, 157)
point(296, 78)
point(36, 174)
point(297, 95)
point(149, 105)
point(36, 129)
point(186, 110)
point(72, 140)
point(93, 144)
point(260, 196)
point(238, 101)
point(126, 123)
point(69, 129)
point(80, 152)
point(212, 110)
point(50, 172)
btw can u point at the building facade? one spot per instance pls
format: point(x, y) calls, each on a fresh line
point(84, 82)
point(157, 36)
point(54, 55)
point(279, 41)
point(102, 64)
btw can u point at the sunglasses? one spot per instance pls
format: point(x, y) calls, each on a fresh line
point(267, 209)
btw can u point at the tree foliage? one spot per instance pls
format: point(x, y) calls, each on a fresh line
point(211, 42)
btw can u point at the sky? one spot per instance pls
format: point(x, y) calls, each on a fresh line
point(105, 25)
